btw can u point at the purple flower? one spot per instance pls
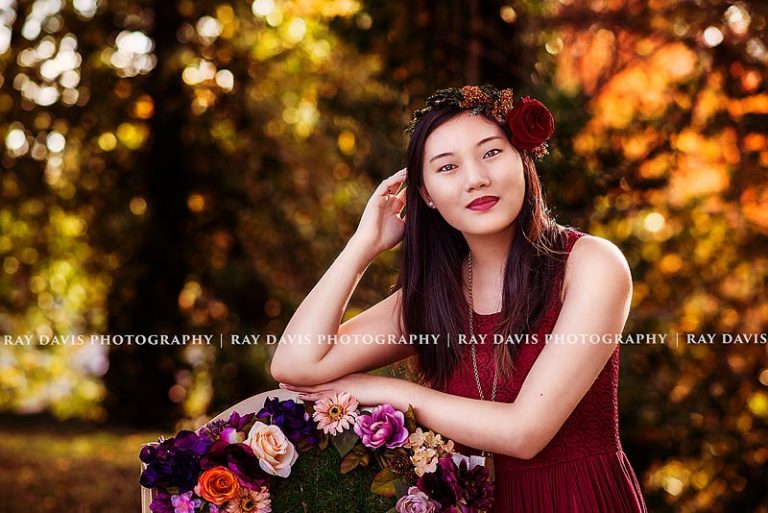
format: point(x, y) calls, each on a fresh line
point(174, 462)
point(184, 503)
point(440, 485)
point(161, 503)
point(240, 422)
point(475, 484)
point(459, 489)
point(292, 420)
point(238, 458)
point(382, 426)
point(192, 442)
point(236, 422)
point(416, 502)
point(232, 436)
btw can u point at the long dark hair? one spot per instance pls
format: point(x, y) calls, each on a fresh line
point(433, 297)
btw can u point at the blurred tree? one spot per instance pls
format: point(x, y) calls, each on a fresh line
point(155, 273)
point(194, 167)
point(675, 143)
point(199, 142)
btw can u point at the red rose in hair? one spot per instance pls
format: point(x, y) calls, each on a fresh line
point(531, 123)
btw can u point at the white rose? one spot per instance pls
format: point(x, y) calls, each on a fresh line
point(275, 452)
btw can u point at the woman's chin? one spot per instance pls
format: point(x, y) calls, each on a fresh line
point(487, 227)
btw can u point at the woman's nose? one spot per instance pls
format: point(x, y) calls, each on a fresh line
point(477, 176)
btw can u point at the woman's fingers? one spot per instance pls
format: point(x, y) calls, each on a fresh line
point(389, 185)
point(297, 388)
point(317, 391)
point(309, 393)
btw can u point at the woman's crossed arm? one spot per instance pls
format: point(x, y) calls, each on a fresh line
point(597, 301)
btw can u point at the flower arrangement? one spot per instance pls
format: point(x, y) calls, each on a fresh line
point(249, 463)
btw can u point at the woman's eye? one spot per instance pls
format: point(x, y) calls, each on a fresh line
point(444, 168)
point(493, 150)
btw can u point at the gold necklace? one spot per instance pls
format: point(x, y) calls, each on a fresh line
point(488, 456)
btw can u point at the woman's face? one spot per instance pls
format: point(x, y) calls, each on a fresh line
point(467, 158)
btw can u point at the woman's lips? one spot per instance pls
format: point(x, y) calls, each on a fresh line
point(483, 203)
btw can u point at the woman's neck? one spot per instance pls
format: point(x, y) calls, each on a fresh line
point(489, 256)
point(490, 252)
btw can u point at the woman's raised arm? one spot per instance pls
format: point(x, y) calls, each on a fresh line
point(305, 355)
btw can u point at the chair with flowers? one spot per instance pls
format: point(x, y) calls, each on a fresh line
point(270, 453)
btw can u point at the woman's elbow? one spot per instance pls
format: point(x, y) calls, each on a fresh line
point(292, 373)
point(283, 373)
point(279, 372)
point(529, 452)
point(523, 444)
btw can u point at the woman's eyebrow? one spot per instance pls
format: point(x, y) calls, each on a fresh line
point(483, 141)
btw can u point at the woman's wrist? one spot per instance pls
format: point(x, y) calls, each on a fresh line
point(398, 392)
point(363, 250)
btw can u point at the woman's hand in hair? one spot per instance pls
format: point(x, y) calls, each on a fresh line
point(380, 227)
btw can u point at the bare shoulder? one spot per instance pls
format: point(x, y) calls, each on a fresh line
point(595, 261)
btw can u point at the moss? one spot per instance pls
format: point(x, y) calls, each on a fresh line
point(317, 486)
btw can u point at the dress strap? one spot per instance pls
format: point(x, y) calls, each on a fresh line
point(573, 235)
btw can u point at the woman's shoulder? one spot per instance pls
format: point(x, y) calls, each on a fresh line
point(593, 258)
point(586, 247)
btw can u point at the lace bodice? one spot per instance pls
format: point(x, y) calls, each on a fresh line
point(591, 428)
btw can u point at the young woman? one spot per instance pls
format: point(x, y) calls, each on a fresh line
point(481, 256)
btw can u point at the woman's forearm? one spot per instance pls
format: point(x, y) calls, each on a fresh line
point(320, 313)
point(485, 425)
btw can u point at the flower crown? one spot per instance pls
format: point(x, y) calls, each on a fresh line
point(530, 122)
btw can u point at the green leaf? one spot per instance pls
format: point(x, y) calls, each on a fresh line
point(384, 483)
point(358, 457)
point(345, 441)
point(410, 419)
point(304, 446)
point(401, 487)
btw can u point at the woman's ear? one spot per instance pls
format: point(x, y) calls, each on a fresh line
point(425, 196)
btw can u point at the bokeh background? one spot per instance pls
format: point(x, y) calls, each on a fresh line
point(193, 167)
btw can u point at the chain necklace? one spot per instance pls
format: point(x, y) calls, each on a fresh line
point(488, 456)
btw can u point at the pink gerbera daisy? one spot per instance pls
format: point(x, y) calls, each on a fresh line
point(337, 414)
point(250, 501)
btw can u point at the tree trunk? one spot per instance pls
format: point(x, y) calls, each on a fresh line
point(139, 377)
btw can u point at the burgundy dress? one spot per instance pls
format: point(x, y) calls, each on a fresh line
point(583, 468)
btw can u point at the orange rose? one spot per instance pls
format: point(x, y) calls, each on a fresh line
point(217, 485)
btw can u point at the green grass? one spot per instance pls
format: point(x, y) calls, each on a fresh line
point(49, 466)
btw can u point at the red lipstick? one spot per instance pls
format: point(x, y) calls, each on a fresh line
point(483, 203)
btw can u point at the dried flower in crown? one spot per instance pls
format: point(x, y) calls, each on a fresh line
point(473, 96)
point(529, 120)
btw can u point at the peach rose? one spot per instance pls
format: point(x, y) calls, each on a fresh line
point(275, 452)
point(217, 485)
